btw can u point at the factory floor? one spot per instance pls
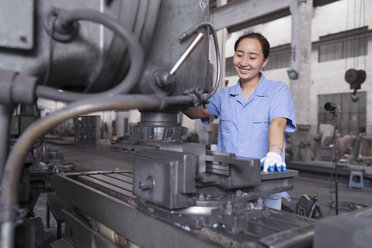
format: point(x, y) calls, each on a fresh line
point(104, 157)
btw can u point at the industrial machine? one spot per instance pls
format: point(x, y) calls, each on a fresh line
point(151, 55)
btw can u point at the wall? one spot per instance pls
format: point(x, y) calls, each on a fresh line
point(327, 77)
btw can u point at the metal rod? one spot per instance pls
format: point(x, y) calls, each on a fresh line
point(188, 51)
point(5, 112)
point(335, 152)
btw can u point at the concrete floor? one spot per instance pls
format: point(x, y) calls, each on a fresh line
point(348, 200)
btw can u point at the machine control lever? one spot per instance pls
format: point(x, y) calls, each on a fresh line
point(164, 79)
point(187, 53)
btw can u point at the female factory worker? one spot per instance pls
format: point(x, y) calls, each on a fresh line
point(255, 113)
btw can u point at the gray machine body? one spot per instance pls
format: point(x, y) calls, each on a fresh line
point(178, 194)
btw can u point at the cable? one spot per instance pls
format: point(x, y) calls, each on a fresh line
point(66, 18)
point(104, 62)
point(217, 50)
point(48, 71)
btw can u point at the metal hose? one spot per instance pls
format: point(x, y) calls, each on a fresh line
point(216, 47)
point(14, 164)
point(66, 18)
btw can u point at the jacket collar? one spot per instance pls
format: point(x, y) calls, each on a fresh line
point(260, 89)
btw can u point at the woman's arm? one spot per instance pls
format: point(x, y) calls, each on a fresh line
point(276, 134)
point(197, 112)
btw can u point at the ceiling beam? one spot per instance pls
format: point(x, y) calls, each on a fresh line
point(238, 12)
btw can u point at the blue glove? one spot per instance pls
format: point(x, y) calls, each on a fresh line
point(272, 161)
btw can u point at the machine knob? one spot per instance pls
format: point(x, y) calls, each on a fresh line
point(147, 185)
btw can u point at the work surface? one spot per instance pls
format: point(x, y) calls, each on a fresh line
point(105, 158)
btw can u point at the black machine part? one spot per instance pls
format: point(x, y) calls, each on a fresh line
point(355, 78)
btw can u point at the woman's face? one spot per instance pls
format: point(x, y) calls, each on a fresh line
point(249, 59)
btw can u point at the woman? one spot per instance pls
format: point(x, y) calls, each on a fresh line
point(255, 113)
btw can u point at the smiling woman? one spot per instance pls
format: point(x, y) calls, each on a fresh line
point(248, 60)
point(259, 111)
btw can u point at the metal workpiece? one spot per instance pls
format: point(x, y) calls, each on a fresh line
point(239, 173)
point(170, 175)
point(227, 223)
point(174, 177)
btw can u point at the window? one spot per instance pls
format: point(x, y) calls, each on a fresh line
point(229, 67)
point(280, 57)
point(351, 116)
point(343, 45)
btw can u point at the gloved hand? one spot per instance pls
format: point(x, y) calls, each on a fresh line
point(272, 161)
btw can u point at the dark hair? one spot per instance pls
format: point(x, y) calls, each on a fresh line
point(265, 45)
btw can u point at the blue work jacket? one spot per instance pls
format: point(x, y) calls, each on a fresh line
point(244, 125)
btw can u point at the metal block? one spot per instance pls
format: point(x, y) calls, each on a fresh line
point(194, 148)
point(241, 172)
point(17, 24)
point(164, 177)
